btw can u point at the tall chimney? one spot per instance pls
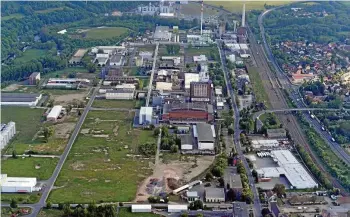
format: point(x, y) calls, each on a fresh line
point(243, 16)
point(202, 18)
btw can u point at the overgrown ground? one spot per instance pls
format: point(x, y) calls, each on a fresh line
point(102, 164)
point(114, 103)
point(50, 213)
point(258, 86)
point(126, 212)
point(29, 55)
point(24, 198)
point(40, 168)
point(207, 51)
point(236, 6)
point(104, 33)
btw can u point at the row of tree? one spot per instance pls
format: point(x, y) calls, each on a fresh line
point(247, 194)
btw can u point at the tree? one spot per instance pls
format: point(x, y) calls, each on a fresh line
point(195, 205)
point(199, 67)
point(14, 154)
point(91, 67)
point(222, 182)
point(67, 211)
point(230, 131)
point(231, 195)
point(279, 189)
point(140, 84)
point(185, 214)
point(156, 131)
point(174, 148)
point(13, 203)
point(209, 176)
point(48, 205)
point(265, 211)
point(47, 133)
point(200, 215)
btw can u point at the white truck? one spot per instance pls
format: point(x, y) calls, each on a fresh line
point(312, 116)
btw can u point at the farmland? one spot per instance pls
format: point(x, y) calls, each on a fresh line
point(29, 55)
point(40, 168)
point(100, 33)
point(236, 6)
point(102, 163)
point(114, 103)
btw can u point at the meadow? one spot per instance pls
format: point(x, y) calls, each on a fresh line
point(29, 55)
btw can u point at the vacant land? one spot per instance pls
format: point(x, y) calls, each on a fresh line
point(12, 16)
point(126, 212)
point(258, 87)
point(128, 104)
point(10, 212)
point(29, 55)
point(104, 163)
point(236, 6)
point(65, 72)
point(104, 33)
point(193, 9)
point(21, 198)
point(50, 213)
point(40, 168)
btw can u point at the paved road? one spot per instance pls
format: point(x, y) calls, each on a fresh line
point(150, 85)
point(158, 146)
point(282, 77)
point(237, 131)
point(34, 155)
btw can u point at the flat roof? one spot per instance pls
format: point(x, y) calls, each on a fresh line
point(19, 97)
point(17, 181)
point(214, 192)
point(186, 139)
point(240, 209)
point(235, 181)
point(204, 132)
point(141, 206)
point(55, 111)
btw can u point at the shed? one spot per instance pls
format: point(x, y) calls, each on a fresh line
point(141, 208)
point(54, 113)
point(177, 208)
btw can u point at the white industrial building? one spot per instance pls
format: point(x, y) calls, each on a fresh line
point(145, 116)
point(162, 33)
point(141, 208)
point(116, 60)
point(20, 99)
point(200, 58)
point(205, 134)
point(17, 184)
point(54, 113)
point(7, 133)
point(290, 167)
point(232, 58)
point(265, 144)
point(190, 77)
point(119, 94)
point(177, 208)
point(164, 86)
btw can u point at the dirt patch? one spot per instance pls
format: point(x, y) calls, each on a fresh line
point(179, 172)
point(69, 98)
point(115, 130)
point(11, 87)
point(51, 147)
point(77, 166)
point(63, 130)
point(37, 166)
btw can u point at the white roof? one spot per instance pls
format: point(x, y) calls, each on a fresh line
point(162, 72)
point(177, 207)
point(265, 143)
point(55, 111)
point(190, 77)
point(17, 181)
point(243, 46)
point(213, 130)
point(141, 206)
point(166, 14)
point(233, 46)
point(192, 194)
point(122, 86)
point(201, 58)
point(146, 110)
point(164, 86)
point(62, 31)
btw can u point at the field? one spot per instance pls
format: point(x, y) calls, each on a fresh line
point(114, 103)
point(211, 53)
point(236, 6)
point(40, 168)
point(103, 164)
point(126, 212)
point(193, 10)
point(104, 33)
point(50, 213)
point(17, 16)
point(50, 10)
point(24, 198)
point(65, 72)
point(29, 55)
point(258, 87)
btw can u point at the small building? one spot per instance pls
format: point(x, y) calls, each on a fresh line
point(17, 184)
point(7, 133)
point(219, 103)
point(240, 209)
point(34, 78)
point(206, 136)
point(20, 99)
point(145, 116)
point(164, 86)
point(235, 183)
point(177, 208)
point(214, 195)
point(78, 56)
point(146, 55)
point(190, 77)
point(186, 142)
point(141, 208)
point(200, 58)
point(54, 113)
point(192, 196)
point(276, 133)
point(162, 33)
point(200, 91)
point(116, 60)
point(218, 90)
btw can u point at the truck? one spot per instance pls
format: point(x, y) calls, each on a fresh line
point(323, 129)
point(333, 139)
point(312, 116)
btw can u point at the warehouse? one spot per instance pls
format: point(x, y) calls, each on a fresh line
point(162, 33)
point(288, 166)
point(20, 99)
point(266, 144)
point(54, 113)
point(141, 208)
point(276, 133)
point(145, 116)
point(186, 142)
point(120, 94)
point(214, 195)
point(177, 208)
point(205, 136)
point(7, 133)
point(190, 77)
point(17, 184)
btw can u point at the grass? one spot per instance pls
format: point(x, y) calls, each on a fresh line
point(29, 55)
point(104, 169)
point(104, 33)
point(50, 10)
point(114, 103)
point(237, 6)
point(12, 16)
point(23, 198)
point(270, 121)
point(50, 213)
point(201, 50)
point(65, 72)
point(25, 167)
point(126, 212)
point(258, 87)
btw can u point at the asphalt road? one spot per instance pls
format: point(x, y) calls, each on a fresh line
point(150, 85)
point(237, 131)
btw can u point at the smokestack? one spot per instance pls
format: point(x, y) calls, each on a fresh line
point(243, 16)
point(234, 26)
point(202, 18)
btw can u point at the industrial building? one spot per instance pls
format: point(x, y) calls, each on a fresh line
point(192, 196)
point(288, 166)
point(266, 144)
point(240, 209)
point(54, 113)
point(20, 99)
point(186, 142)
point(205, 135)
point(235, 182)
point(200, 91)
point(187, 113)
point(116, 60)
point(214, 195)
point(34, 78)
point(78, 56)
point(164, 86)
point(141, 208)
point(122, 91)
point(177, 208)
point(200, 59)
point(162, 33)
point(145, 116)
point(276, 133)
point(17, 184)
point(189, 78)
point(7, 133)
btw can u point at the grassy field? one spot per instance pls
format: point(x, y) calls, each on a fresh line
point(270, 121)
point(29, 55)
point(12, 16)
point(236, 6)
point(114, 103)
point(65, 72)
point(211, 53)
point(23, 198)
point(50, 213)
point(258, 87)
point(103, 33)
point(26, 167)
point(126, 212)
point(104, 169)
point(50, 10)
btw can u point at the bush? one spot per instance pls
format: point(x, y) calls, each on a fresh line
point(148, 149)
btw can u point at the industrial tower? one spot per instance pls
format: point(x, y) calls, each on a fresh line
point(243, 16)
point(202, 17)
